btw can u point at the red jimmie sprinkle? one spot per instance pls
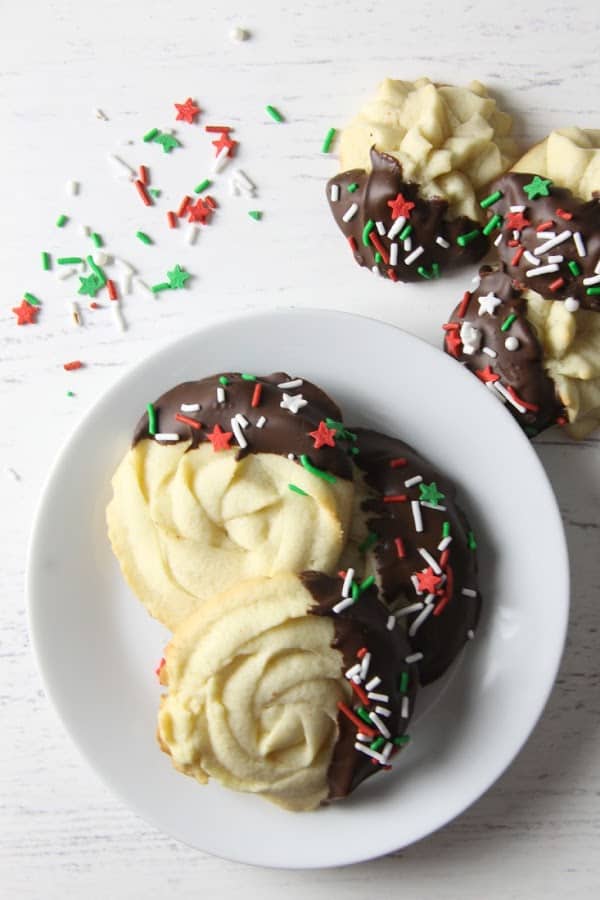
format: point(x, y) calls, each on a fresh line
point(451, 326)
point(157, 670)
point(513, 243)
point(557, 284)
point(395, 498)
point(143, 193)
point(256, 396)
point(392, 274)
point(171, 219)
point(532, 407)
point(545, 226)
point(217, 129)
point(94, 305)
point(71, 366)
point(352, 243)
point(210, 201)
point(462, 309)
point(400, 548)
point(444, 555)
point(561, 420)
point(564, 214)
point(379, 247)
point(440, 607)
point(360, 653)
point(112, 289)
point(360, 693)
point(187, 421)
point(362, 726)
point(398, 462)
point(183, 208)
point(143, 175)
point(516, 258)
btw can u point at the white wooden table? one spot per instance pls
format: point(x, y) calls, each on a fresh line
point(537, 832)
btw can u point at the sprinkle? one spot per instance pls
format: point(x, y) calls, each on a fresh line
point(242, 180)
point(556, 259)
point(395, 498)
point(508, 322)
point(593, 291)
point(368, 542)
point(285, 385)
point(256, 396)
point(398, 462)
point(150, 135)
point(531, 258)
point(545, 234)
point(334, 194)
point(261, 422)
point(361, 695)
point(571, 304)
point(118, 317)
point(391, 623)
point(502, 390)
point(147, 201)
point(326, 146)
point(490, 199)
point(75, 315)
point(220, 395)
point(347, 582)
point(184, 206)
point(377, 743)
point(593, 279)
point(293, 402)
point(464, 239)
point(417, 517)
point(437, 506)
point(442, 242)
point(382, 698)
point(469, 592)
point(372, 753)
point(221, 159)
point(190, 407)
point(404, 709)
point(69, 260)
point(320, 473)
point(574, 267)
point(112, 290)
point(370, 732)
point(166, 436)
point(143, 237)
point(543, 270)
point(241, 418)
point(517, 256)
point(446, 529)
point(380, 725)
point(471, 542)
point(423, 615)
point(171, 219)
point(489, 352)
point(298, 490)
point(556, 285)
point(405, 232)
point(274, 113)
point(410, 482)
point(414, 255)
point(151, 419)
point(72, 366)
point(493, 223)
point(429, 559)
point(187, 421)
point(553, 242)
point(413, 658)
point(364, 668)
point(191, 234)
point(400, 551)
point(403, 739)
point(407, 610)
point(350, 212)
point(62, 221)
point(255, 214)
point(396, 227)
point(32, 299)
point(498, 240)
point(394, 254)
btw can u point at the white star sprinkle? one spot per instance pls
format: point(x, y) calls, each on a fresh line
point(293, 402)
point(488, 304)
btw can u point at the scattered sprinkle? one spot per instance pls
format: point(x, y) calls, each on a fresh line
point(143, 237)
point(274, 113)
point(326, 146)
point(62, 221)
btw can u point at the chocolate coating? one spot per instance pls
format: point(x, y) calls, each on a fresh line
point(444, 632)
point(284, 432)
point(519, 371)
point(428, 219)
point(564, 213)
point(363, 625)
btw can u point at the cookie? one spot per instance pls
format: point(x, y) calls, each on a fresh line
point(228, 478)
point(541, 360)
point(414, 163)
point(409, 532)
point(284, 688)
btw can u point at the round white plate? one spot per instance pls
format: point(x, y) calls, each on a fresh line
point(97, 648)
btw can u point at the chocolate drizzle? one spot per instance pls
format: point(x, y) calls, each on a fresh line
point(284, 432)
point(563, 213)
point(444, 632)
point(519, 371)
point(363, 625)
point(373, 192)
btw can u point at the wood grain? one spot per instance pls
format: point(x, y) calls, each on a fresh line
point(536, 834)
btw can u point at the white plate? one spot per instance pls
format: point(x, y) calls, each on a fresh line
point(97, 647)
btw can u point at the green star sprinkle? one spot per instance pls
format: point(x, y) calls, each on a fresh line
point(178, 277)
point(155, 192)
point(167, 141)
point(90, 285)
point(255, 214)
point(430, 493)
point(537, 187)
point(341, 431)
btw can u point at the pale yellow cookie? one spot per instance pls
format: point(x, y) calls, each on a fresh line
point(451, 140)
point(568, 156)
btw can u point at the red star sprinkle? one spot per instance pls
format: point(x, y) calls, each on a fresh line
point(199, 212)
point(225, 141)
point(324, 436)
point(516, 220)
point(428, 581)
point(25, 313)
point(187, 112)
point(453, 343)
point(486, 374)
point(400, 207)
point(219, 439)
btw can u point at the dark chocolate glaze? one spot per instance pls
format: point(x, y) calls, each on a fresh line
point(363, 625)
point(284, 432)
point(522, 369)
point(428, 219)
point(443, 634)
point(584, 218)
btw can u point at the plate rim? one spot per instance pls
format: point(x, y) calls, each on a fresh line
point(35, 538)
